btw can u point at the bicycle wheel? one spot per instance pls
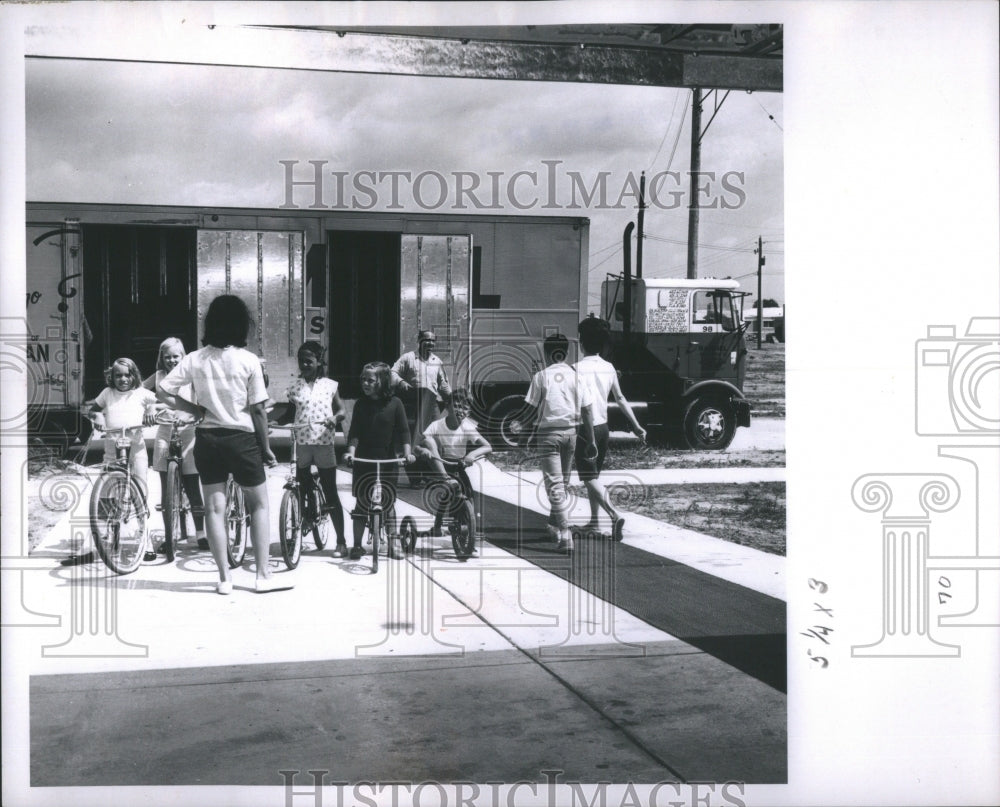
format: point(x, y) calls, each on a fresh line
point(375, 526)
point(321, 524)
point(408, 534)
point(173, 511)
point(290, 525)
point(118, 521)
point(236, 525)
point(463, 530)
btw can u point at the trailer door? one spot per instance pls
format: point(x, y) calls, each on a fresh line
point(56, 332)
point(264, 269)
point(435, 277)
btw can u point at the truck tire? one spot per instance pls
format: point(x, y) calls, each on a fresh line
point(709, 424)
point(505, 422)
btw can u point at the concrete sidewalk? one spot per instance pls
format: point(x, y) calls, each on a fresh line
point(489, 670)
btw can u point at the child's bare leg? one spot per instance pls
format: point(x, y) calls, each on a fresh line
point(215, 526)
point(260, 527)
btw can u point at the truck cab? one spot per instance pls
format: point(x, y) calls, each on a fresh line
point(680, 351)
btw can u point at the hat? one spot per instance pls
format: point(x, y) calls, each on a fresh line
point(426, 336)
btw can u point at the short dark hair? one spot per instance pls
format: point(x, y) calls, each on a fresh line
point(458, 397)
point(315, 349)
point(594, 334)
point(557, 346)
point(227, 322)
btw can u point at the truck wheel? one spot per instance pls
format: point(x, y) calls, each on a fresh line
point(506, 422)
point(709, 424)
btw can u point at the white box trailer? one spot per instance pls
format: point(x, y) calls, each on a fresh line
point(106, 280)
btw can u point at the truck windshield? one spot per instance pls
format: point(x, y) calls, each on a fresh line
point(713, 307)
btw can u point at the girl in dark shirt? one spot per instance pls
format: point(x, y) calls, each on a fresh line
point(378, 432)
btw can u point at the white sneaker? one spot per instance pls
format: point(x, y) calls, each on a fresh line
point(224, 587)
point(266, 584)
point(565, 541)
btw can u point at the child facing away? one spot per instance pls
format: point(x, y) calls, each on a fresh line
point(125, 404)
point(170, 355)
point(316, 409)
point(603, 379)
point(453, 438)
point(378, 432)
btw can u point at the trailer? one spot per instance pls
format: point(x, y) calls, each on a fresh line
point(106, 281)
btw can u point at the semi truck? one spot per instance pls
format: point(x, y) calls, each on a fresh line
point(105, 281)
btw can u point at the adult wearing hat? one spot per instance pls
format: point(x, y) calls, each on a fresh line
point(420, 380)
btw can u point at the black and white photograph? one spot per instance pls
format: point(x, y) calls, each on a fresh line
point(412, 404)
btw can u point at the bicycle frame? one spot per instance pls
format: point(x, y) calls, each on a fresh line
point(462, 517)
point(174, 503)
point(106, 523)
point(376, 521)
point(292, 521)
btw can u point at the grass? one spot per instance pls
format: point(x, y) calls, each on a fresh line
point(751, 514)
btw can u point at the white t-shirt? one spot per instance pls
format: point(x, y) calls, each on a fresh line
point(226, 382)
point(560, 393)
point(122, 410)
point(313, 402)
point(600, 375)
point(453, 445)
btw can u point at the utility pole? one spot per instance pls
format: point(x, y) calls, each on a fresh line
point(692, 267)
point(639, 232)
point(760, 299)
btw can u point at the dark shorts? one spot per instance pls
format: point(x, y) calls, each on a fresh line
point(591, 469)
point(220, 452)
point(364, 481)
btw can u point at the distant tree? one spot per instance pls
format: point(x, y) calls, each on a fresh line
point(768, 303)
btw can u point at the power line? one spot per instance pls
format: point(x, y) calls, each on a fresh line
point(769, 115)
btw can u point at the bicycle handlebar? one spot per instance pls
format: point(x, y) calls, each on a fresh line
point(123, 431)
point(293, 426)
point(167, 417)
point(394, 460)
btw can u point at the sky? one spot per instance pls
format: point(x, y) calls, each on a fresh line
point(137, 133)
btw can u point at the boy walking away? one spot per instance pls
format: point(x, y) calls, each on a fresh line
point(561, 402)
point(602, 378)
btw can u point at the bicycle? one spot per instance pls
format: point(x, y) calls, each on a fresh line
point(118, 508)
point(174, 502)
point(299, 515)
point(460, 519)
point(237, 524)
point(376, 519)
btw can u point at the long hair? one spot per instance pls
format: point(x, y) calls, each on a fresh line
point(383, 377)
point(227, 322)
point(133, 372)
point(165, 345)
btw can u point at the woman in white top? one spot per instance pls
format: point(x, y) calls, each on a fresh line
point(227, 383)
point(603, 380)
